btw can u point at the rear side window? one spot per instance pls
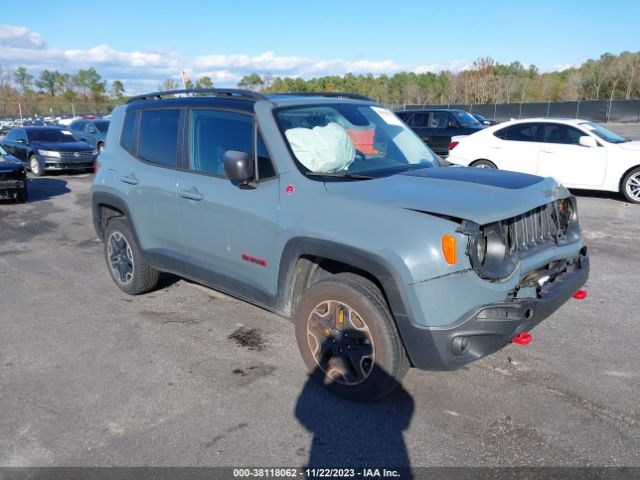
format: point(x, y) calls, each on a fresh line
point(158, 136)
point(524, 132)
point(501, 134)
point(420, 120)
point(128, 134)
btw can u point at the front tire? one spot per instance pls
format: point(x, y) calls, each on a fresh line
point(36, 168)
point(348, 340)
point(484, 164)
point(630, 186)
point(128, 268)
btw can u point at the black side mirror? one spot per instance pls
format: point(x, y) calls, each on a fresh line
point(239, 168)
point(452, 125)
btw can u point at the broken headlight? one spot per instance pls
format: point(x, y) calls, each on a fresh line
point(488, 251)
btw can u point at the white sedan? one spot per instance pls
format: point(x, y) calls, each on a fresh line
point(578, 153)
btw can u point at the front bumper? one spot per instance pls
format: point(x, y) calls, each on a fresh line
point(11, 184)
point(488, 328)
point(55, 163)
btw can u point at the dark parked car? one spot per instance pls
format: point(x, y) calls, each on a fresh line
point(13, 178)
point(91, 131)
point(484, 120)
point(436, 126)
point(49, 148)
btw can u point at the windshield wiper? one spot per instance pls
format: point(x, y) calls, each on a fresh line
point(354, 176)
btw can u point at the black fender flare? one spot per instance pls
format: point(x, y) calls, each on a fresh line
point(418, 342)
point(110, 200)
point(381, 269)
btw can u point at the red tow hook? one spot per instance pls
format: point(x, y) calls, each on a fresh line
point(580, 295)
point(523, 338)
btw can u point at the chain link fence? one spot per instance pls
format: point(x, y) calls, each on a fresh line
point(55, 108)
point(602, 111)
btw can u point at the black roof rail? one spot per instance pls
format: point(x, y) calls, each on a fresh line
point(217, 92)
point(353, 96)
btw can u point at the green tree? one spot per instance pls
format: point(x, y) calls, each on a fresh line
point(252, 82)
point(24, 79)
point(47, 81)
point(169, 84)
point(204, 82)
point(90, 83)
point(117, 89)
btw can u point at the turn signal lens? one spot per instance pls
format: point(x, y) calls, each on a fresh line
point(449, 249)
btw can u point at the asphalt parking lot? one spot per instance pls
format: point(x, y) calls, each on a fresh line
point(91, 376)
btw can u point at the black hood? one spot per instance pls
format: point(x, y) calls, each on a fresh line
point(62, 146)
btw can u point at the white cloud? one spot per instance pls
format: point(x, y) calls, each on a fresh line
point(142, 71)
point(452, 66)
point(562, 66)
point(19, 37)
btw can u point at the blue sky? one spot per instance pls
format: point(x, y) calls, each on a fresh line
point(143, 42)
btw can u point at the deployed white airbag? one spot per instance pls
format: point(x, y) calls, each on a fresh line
point(322, 149)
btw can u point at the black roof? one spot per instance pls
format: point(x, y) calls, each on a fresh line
point(233, 98)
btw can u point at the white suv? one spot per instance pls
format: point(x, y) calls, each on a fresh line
point(578, 153)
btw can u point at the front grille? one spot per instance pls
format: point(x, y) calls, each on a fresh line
point(72, 155)
point(16, 175)
point(533, 230)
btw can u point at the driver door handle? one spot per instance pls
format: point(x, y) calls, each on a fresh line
point(191, 194)
point(545, 150)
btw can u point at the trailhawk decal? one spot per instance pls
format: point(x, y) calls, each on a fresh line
point(251, 259)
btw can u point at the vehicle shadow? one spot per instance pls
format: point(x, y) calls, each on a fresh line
point(355, 435)
point(46, 188)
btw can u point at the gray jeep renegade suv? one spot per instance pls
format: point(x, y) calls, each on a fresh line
point(328, 210)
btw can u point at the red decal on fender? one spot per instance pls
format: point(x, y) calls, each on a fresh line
point(251, 259)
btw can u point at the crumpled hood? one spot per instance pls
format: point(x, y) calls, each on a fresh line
point(634, 146)
point(477, 194)
point(9, 163)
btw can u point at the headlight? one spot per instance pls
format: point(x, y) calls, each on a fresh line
point(49, 153)
point(489, 254)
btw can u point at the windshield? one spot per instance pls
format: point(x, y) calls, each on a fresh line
point(52, 134)
point(352, 139)
point(604, 133)
point(102, 125)
point(465, 118)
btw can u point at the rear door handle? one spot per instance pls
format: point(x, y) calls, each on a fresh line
point(547, 151)
point(495, 147)
point(130, 179)
point(191, 194)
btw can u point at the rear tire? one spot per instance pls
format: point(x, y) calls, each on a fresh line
point(484, 164)
point(128, 268)
point(630, 186)
point(348, 340)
